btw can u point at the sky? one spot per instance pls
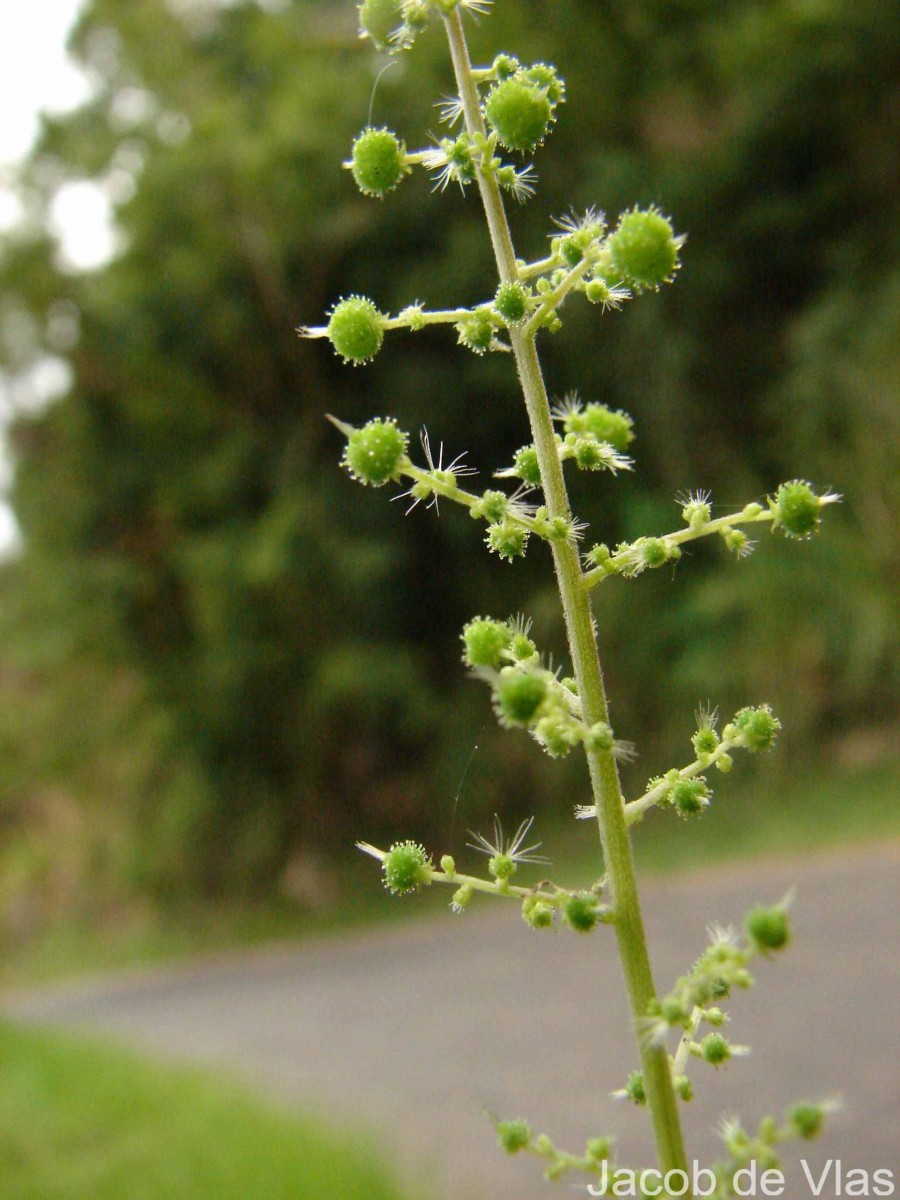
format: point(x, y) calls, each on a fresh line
point(35, 75)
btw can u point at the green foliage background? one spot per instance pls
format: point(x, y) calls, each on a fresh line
point(217, 652)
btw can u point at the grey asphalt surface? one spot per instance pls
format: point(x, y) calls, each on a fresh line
point(423, 1028)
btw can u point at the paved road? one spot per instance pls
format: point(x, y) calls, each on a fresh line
point(420, 1029)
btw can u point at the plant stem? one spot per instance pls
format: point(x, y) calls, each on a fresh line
point(581, 633)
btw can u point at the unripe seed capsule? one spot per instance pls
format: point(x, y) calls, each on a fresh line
point(378, 162)
point(374, 454)
point(512, 301)
point(797, 509)
point(356, 329)
point(644, 248)
point(406, 867)
point(768, 928)
point(806, 1119)
point(378, 19)
point(525, 465)
point(519, 113)
point(715, 1049)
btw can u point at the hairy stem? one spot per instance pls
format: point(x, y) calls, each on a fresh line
point(614, 835)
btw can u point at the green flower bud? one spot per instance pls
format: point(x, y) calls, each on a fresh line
point(375, 453)
point(672, 1011)
point(644, 248)
point(545, 76)
point(600, 737)
point(608, 426)
point(512, 302)
point(715, 1049)
point(683, 1087)
point(406, 867)
point(653, 552)
point(768, 928)
point(522, 647)
point(378, 19)
point(806, 1119)
point(505, 66)
point(461, 898)
point(537, 914)
point(502, 867)
point(580, 911)
point(519, 112)
point(597, 1149)
point(525, 465)
point(634, 1088)
point(759, 726)
point(724, 763)
point(705, 740)
point(507, 539)
point(448, 865)
point(690, 796)
point(356, 329)
point(797, 509)
point(378, 162)
point(492, 507)
point(476, 331)
point(556, 735)
point(484, 641)
point(513, 1135)
point(519, 695)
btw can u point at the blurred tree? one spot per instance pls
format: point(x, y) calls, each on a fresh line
point(227, 663)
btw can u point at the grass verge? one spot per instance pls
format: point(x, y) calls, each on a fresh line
point(83, 1121)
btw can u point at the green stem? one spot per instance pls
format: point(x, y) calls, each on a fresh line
point(614, 835)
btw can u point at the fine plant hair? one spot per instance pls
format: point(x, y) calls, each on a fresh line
point(500, 116)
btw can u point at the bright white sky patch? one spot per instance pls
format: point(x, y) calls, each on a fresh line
point(80, 216)
point(35, 73)
point(36, 76)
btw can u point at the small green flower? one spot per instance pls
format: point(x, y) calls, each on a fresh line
point(634, 1089)
point(513, 1135)
point(580, 912)
point(689, 797)
point(378, 162)
point(485, 640)
point(505, 854)
point(759, 726)
point(476, 331)
point(356, 329)
point(507, 539)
